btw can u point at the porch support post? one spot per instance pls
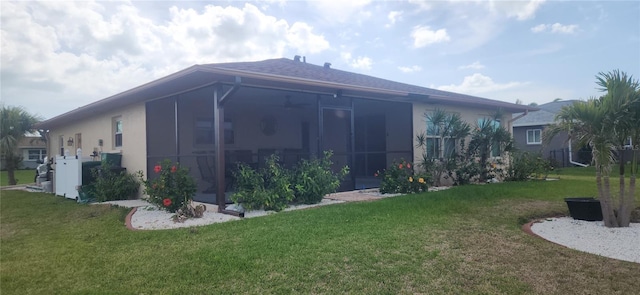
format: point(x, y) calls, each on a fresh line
point(218, 136)
point(218, 127)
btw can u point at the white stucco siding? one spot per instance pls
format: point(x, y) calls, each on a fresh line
point(101, 127)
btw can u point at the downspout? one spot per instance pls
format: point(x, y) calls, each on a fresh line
point(571, 158)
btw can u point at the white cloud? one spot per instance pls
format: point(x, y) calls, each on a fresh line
point(424, 36)
point(476, 65)
point(539, 28)
point(422, 5)
point(555, 28)
point(360, 62)
point(478, 84)
point(393, 17)
point(73, 53)
point(563, 29)
point(520, 10)
point(341, 11)
point(410, 69)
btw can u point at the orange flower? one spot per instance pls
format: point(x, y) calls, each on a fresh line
point(421, 180)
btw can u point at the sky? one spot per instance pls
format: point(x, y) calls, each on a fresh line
point(57, 56)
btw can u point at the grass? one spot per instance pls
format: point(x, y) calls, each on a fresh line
point(22, 176)
point(466, 240)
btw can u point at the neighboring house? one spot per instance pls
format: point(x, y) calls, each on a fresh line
point(528, 130)
point(210, 116)
point(33, 150)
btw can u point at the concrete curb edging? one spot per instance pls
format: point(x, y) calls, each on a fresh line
point(527, 229)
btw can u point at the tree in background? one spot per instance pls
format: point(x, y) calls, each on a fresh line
point(606, 124)
point(14, 123)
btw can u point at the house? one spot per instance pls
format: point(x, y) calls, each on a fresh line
point(208, 117)
point(528, 130)
point(33, 149)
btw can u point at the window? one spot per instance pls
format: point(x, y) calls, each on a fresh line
point(435, 148)
point(204, 131)
point(534, 136)
point(36, 154)
point(61, 144)
point(495, 124)
point(117, 130)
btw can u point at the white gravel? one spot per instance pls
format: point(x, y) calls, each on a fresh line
point(592, 237)
point(150, 217)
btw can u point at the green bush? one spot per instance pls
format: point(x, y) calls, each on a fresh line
point(400, 178)
point(525, 165)
point(173, 189)
point(269, 189)
point(313, 179)
point(111, 185)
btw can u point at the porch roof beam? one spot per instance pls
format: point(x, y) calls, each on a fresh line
point(230, 92)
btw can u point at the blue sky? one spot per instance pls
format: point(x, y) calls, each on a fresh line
point(57, 56)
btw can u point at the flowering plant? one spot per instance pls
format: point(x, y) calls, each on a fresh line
point(171, 188)
point(401, 178)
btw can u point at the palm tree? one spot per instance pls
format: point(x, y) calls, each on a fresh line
point(14, 123)
point(622, 102)
point(604, 124)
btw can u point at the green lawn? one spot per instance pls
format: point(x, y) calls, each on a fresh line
point(466, 240)
point(22, 176)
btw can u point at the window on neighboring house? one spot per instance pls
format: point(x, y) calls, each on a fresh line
point(495, 147)
point(434, 147)
point(61, 144)
point(117, 130)
point(204, 131)
point(534, 136)
point(36, 154)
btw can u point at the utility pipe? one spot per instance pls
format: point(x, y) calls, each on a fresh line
point(571, 158)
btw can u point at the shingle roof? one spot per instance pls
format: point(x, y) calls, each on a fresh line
point(284, 67)
point(545, 116)
point(292, 72)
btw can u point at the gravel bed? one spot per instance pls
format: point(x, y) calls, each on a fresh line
point(592, 237)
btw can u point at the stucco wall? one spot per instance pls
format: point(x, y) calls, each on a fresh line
point(100, 127)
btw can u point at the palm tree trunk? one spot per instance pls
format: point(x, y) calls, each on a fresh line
point(623, 211)
point(11, 176)
point(608, 215)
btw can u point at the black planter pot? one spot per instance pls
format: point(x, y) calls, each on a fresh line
point(584, 208)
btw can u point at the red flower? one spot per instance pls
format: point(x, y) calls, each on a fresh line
point(157, 169)
point(409, 165)
point(375, 174)
point(400, 166)
point(174, 169)
point(166, 202)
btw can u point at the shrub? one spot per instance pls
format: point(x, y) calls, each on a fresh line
point(269, 188)
point(525, 165)
point(313, 179)
point(113, 185)
point(173, 189)
point(400, 178)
